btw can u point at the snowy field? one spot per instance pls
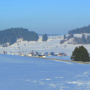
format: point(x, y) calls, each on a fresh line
point(25, 73)
point(60, 57)
point(52, 45)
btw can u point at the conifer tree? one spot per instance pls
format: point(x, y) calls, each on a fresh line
point(45, 37)
point(80, 54)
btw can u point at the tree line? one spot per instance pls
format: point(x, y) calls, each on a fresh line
point(85, 29)
point(11, 35)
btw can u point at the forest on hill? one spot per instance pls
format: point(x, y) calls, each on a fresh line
point(85, 29)
point(13, 34)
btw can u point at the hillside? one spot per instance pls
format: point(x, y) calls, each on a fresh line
point(85, 29)
point(52, 45)
point(25, 73)
point(11, 35)
point(78, 36)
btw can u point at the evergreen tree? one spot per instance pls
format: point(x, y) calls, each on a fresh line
point(80, 54)
point(84, 41)
point(44, 37)
point(65, 37)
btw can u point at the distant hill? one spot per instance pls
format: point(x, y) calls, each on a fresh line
point(13, 34)
point(77, 36)
point(85, 29)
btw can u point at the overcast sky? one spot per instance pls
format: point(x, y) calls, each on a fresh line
point(45, 16)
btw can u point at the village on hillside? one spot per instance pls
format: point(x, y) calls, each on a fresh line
point(39, 54)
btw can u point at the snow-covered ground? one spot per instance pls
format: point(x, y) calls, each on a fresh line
point(60, 57)
point(52, 45)
point(25, 73)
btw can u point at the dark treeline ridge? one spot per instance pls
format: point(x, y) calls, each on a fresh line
point(11, 35)
point(85, 29)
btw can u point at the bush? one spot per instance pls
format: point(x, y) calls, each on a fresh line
point(80, 54)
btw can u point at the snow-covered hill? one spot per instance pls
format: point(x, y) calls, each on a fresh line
point(25, 73)
point(52, 45)
point(83, 38)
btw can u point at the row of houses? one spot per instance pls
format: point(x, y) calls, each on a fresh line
point(39, 54)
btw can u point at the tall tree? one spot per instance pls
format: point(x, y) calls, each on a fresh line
point(80, 54)
point(45, 37)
